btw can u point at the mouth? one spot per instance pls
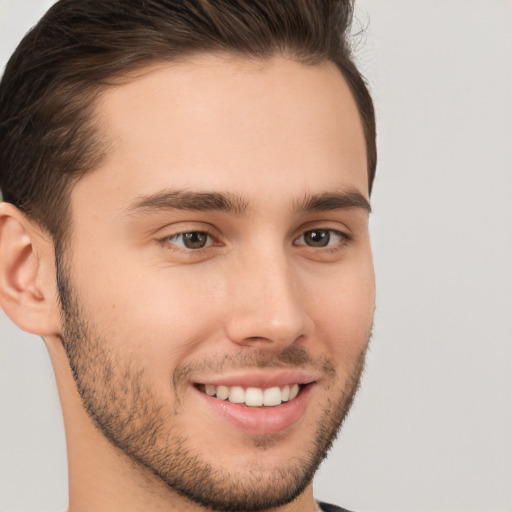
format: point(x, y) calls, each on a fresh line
point(258, 402)
point(254, 396)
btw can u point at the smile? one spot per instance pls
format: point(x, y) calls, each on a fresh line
point(253, 396)
point(258, 402)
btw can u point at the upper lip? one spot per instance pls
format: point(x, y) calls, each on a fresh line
point(261, 379)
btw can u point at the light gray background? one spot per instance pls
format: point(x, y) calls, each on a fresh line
point(432, 427)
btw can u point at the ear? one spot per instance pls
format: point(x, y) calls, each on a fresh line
point(28, 289)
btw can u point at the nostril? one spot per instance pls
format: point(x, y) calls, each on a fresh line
point(258, 338)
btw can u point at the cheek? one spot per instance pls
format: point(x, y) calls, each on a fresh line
point(343, 313)
point(155, 317)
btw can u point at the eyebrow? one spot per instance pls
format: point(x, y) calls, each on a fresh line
point(186, 200)
point(334, 201)
point(232, 203)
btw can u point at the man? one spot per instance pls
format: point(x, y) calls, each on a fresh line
point(185, 222)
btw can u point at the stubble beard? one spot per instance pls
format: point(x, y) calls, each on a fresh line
point(117, 395)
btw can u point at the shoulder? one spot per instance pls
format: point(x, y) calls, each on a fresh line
point(325, 507)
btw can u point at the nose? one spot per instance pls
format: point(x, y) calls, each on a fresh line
point(267, 304)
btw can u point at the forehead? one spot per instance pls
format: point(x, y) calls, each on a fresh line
point(247, 126)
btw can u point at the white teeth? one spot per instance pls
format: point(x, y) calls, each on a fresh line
point(254, 397)
point(222, 392)
point(236, 395)
point(272, 396)
point(294, 391)
point(210, 389)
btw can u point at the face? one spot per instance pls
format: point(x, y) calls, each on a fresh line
point(218, 286)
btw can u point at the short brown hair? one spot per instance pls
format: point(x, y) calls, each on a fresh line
point(47, 134)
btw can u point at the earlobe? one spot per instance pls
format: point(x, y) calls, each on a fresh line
point(27, 283)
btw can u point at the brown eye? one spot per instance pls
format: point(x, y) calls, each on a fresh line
point(195, 240)
point(321, 238)
point(317, 237)
point(191, 240)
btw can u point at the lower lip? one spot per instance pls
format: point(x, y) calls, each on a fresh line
point(261, 420)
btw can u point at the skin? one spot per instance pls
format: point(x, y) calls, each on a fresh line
point(147, 318)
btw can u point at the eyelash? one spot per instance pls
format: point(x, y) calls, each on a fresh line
point(168, 244)
point(344, 239)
